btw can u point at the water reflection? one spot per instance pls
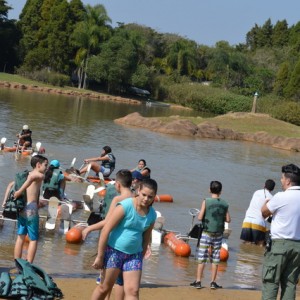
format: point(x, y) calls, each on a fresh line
point(248, 265)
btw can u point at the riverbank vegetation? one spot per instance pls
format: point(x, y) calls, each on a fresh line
point(62, 42)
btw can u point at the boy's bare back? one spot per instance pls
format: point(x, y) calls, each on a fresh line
point(33, 190)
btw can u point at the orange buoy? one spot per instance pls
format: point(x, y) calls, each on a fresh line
point(96, 179)
point(27, 239)
point(102, 193)
point(163, 198)
point(26, 152)
point(224, 254)
point(179, 247)
point(74, 236)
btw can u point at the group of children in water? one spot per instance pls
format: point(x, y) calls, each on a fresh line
point(126, 229)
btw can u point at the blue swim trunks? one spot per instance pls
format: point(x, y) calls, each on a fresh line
point(28, 221)
point(120, 260)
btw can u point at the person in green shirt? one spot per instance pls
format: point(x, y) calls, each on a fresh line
point(214, 212)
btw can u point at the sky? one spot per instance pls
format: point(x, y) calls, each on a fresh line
point(205, 22)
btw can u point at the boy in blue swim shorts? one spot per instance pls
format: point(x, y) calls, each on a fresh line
point(124, 240)
point(28, 219)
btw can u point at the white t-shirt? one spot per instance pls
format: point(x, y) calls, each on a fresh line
point(285, 207)
point(258, 200)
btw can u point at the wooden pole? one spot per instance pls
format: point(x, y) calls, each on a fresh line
point(254, 103)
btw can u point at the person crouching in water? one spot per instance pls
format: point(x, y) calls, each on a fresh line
point(124, 240)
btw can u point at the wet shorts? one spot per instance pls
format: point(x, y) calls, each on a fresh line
point(209, 241)
point(28, 222)
point(120, 260)
point(105, 171)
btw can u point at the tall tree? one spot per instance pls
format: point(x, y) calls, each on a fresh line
point(280, 36)
point(9, 37)
point(29, 25)
point(293, 88)
point(88, 36)
point(264, 35)
point(282, 78)
point(116, 63)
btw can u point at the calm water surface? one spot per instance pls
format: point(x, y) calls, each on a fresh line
point(72, 127)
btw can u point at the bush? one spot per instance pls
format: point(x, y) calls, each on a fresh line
point(46, 76)
point(288, 112)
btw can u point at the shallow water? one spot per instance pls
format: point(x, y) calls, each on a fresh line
point(72, 127)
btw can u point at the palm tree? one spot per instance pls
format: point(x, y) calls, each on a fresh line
point(87, 36)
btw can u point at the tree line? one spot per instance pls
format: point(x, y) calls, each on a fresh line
point(65, 40)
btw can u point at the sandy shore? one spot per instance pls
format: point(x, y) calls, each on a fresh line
point(83, 288)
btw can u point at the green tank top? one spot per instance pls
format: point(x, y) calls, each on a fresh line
point(215, 215)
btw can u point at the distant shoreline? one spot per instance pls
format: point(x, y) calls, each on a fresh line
point(67, 92)
point(180, 127)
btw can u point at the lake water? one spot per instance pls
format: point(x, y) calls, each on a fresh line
point(73, 127)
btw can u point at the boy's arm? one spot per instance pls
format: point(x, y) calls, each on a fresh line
point(100, 225)
point(25, 185)
point(10, 185)
point(117, 216)
point(94, 227)
point(202, 211)
point(228, 218)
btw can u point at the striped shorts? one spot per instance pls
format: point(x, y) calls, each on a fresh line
point(209, 248)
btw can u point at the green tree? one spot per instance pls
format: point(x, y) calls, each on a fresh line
point(115, 64)
point(9, 37)
point(282, 78)
point(29, 25)
point(87, 37)
point(280, 35)
point(251, 38)
point(293, 88)
point(264, 35)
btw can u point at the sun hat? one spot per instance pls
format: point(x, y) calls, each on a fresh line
point(55, 163)
point(137, 175)
point(25, 127)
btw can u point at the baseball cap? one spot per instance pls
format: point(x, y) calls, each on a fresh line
point(137, 175)
point(55, 163)
point(25, 127)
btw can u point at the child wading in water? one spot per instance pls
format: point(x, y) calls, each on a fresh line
point(213, 214)
point(28, 218)
point(124, 240)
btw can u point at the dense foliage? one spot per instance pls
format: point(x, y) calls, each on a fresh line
point(77, 41)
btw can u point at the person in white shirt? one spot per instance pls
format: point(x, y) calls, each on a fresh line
point(281, 266)
point(254, 226)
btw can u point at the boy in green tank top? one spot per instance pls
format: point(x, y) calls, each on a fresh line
point(214, 212)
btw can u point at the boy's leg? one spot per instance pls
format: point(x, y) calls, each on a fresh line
point(214, 271)
point(31, 251)
point(33, 234)
point(216, 247)
point(200, 270)
point(22, 232)
point(19, 246)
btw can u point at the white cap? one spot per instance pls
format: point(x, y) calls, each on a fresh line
point(25, 127)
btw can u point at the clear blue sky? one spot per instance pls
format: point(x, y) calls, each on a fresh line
point(205, 22)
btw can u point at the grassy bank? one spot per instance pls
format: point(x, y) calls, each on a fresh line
point(240, 122)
